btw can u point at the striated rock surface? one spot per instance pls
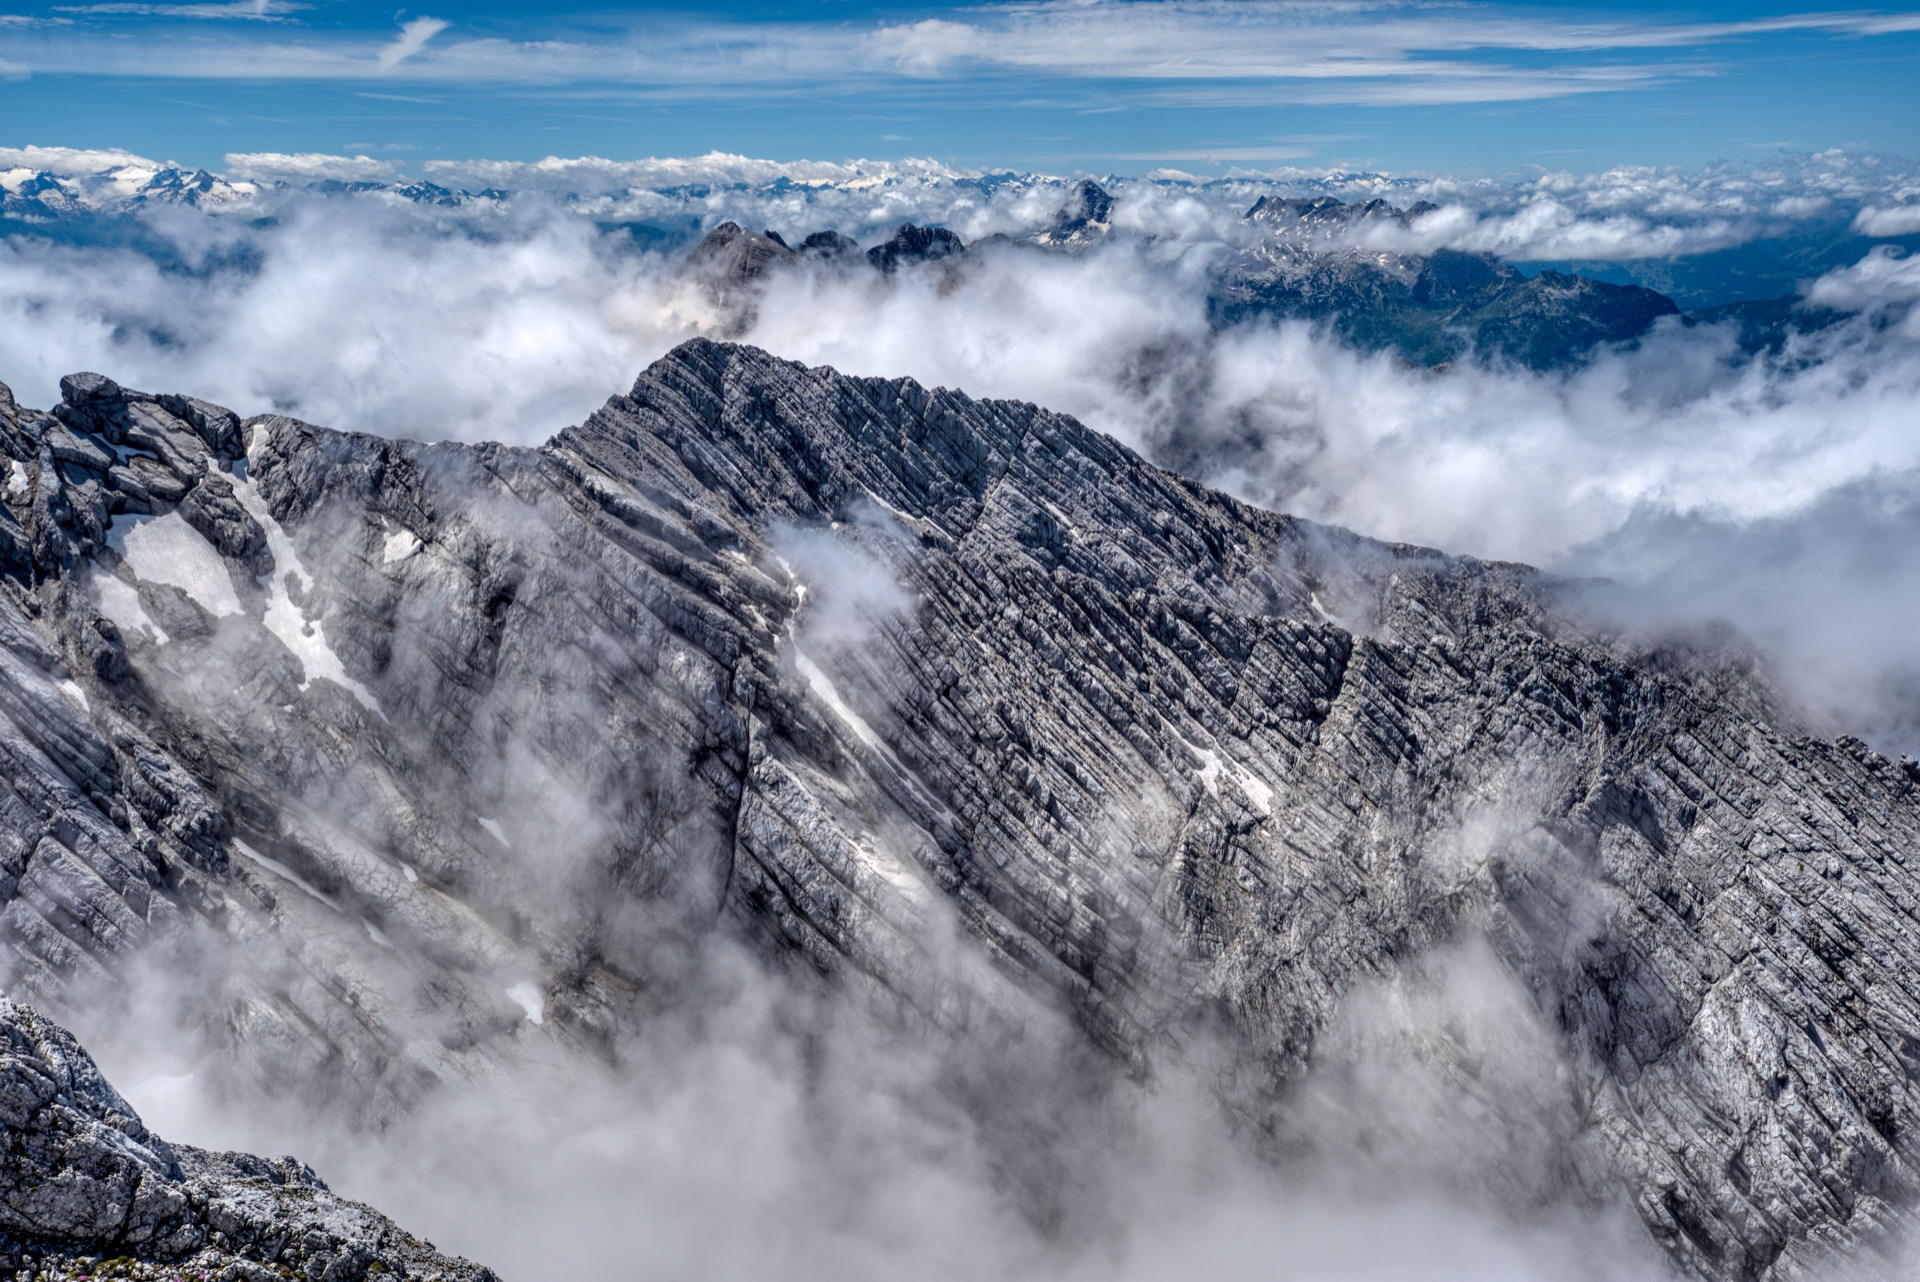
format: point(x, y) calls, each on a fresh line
point(457, 736)
point(87, 1190)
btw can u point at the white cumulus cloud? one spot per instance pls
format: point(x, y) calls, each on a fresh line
point(303, 167)
point(1889, 220)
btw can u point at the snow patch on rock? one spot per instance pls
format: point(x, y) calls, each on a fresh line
point(72, 690)
point(823, 687)
point(302, 636)
point(1256, 788)
point(165, 549)
point(1210, 769)
point(119, 602)
point(400, 545)
point(286, 874)
point(527, 994)
point(895, 873)
point(1213, 769)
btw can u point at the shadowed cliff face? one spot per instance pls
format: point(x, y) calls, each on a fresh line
point(429, 757)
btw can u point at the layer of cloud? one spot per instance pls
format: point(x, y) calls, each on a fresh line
point(1892, 220)
point(536, 325)
point(752, 1129)
point(308, 167)
point(1544, 229)
point(511, 322)
point(1627, 214)
point(588, 174)
point(230, 10)
point(72, 161)
point(1884, 280)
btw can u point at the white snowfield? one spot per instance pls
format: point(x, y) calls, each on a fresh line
point(165, 549)
point(119, 602)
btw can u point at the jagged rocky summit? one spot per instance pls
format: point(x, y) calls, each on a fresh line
point(87, 1191)
point(467, 747)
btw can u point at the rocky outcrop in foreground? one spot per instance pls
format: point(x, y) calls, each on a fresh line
point(952, 704)
point(87, 1191)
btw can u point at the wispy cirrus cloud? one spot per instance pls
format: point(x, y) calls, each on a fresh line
point(412, 39)
point(1219, 155)
point(1196, 52)
point(1265, 40)
point(254, 10)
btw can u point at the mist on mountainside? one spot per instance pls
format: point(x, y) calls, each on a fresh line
point(1708, 479)
point(750, 1119)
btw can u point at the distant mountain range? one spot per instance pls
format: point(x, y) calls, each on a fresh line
point(27, 194)
point(1342, 264)
point(1312, 259)
point(1432, 309)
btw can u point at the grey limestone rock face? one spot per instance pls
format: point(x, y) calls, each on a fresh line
point(830, 246)
point(733, 255)
point(83, 1181)
point(731, 259)
point(825, 663)
point(911, 244)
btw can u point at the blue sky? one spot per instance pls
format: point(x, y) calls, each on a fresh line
point(1101, 85)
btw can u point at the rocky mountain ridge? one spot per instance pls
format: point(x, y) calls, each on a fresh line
point(87, 1191)
point(467, 748)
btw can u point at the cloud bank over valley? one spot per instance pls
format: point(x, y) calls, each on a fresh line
point(1715, 475)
